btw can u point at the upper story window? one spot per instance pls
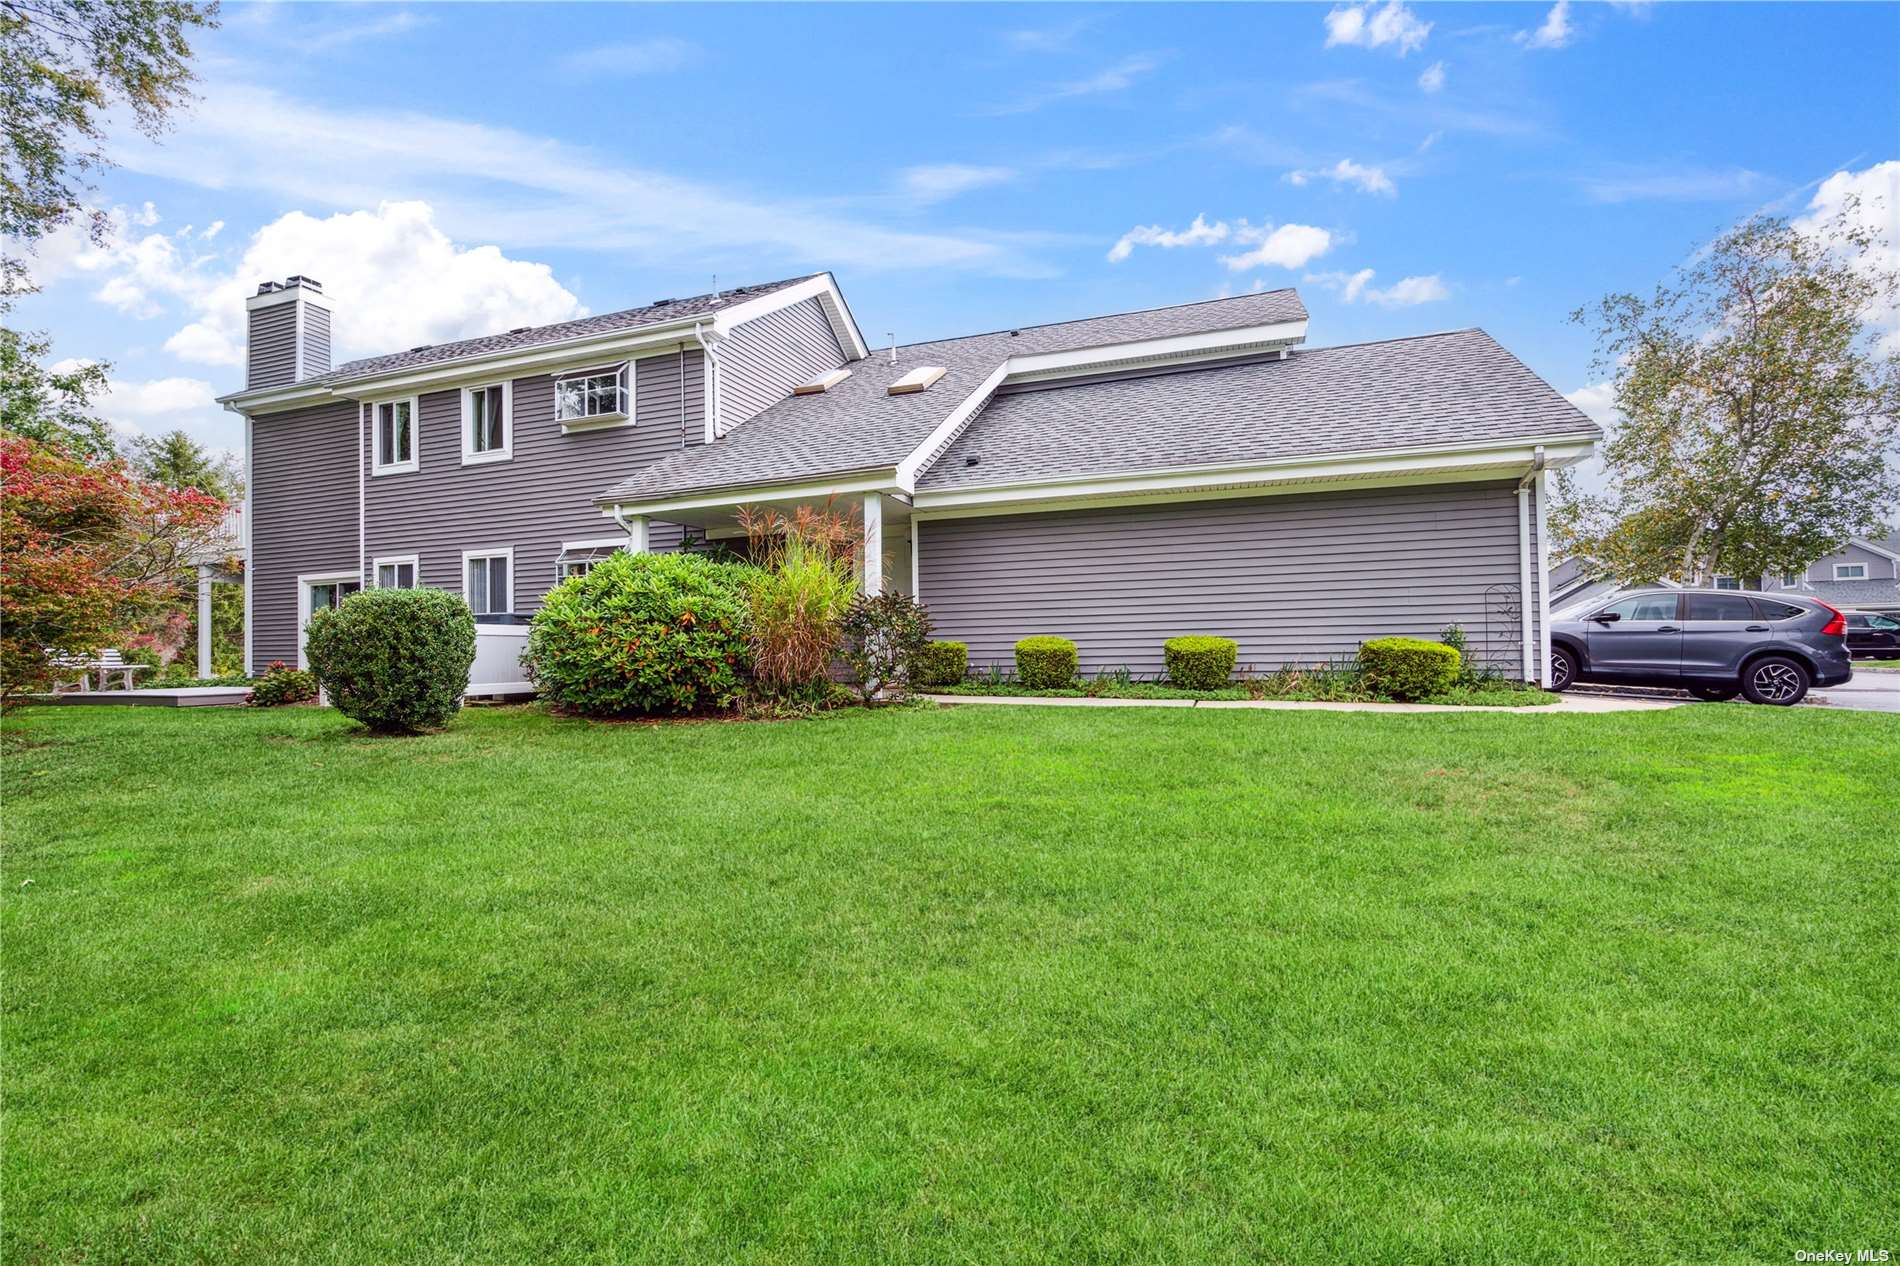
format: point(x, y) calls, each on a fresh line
point(1850, 571)
point(594, 399)
point(488, 423)
point(1789, 579)
point(1727, 582)
point(393, 426)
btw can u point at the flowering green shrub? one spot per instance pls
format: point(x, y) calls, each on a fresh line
point(642, 634)
point(282, 684)
point(1045, 663)
point(1200, 663)
point(1408, 667)
point(396, 660)
point(883, 635)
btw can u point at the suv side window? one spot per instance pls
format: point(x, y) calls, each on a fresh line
point(1883, 623)
point(1646, 606)
point(1777, 610)
point(1720, 606)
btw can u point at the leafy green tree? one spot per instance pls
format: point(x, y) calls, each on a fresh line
point(1760, 416)
point(176, 460)
point(63, 64)
point(53, 407)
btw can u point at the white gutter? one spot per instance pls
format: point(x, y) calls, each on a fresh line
point(1531, 671)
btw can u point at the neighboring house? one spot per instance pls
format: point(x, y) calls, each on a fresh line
point(1575, 589)
point(1863, 574)
point(1117, 480)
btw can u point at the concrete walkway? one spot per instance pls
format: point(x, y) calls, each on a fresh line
point(1570, 704)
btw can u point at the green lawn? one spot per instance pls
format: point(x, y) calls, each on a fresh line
point(979, 985)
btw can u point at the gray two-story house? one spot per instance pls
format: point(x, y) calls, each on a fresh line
point(1117, 480)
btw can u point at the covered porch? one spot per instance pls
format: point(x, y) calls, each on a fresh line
point(887, 559)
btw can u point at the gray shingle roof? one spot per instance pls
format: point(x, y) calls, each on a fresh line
point(533, 336)
point(856, 426)
point(1432, 389)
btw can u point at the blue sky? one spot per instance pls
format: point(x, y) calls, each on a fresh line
point(448, 170)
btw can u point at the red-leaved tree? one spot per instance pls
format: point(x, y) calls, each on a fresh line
point(88, 553)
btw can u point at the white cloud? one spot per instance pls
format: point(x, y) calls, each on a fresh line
point(333, 36)
point(1432, 78)
point(212, 230)
point(1199, 233)
point(935, 182)
point(1288, 246)
point(1346, 172)
point(1052, 39)
point(395, 278)
point(498, 184)
point(1875, 196)
point(1554, 33)
point(1117, 78)
point(1365, 26)
point(659, 55)
point(1674, 184)
point(1357, 287)
point(1598, 402)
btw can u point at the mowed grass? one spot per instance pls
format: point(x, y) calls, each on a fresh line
point(980, 985)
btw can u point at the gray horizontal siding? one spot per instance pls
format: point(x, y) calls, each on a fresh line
point(303, 515)
point(763, 359)
point(544, 494)
point(271, 346)
point(1295, 579)
point(316, 341)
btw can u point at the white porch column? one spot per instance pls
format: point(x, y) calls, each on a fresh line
point(204, 621)
point(636, 525)
point(873, 543)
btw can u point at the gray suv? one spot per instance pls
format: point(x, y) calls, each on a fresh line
point(1714, 643)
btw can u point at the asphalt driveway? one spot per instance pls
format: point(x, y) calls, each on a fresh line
point(1871, 690)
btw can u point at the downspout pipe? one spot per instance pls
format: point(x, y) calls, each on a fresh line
point(1531, 671)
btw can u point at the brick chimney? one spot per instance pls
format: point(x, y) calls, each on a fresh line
point(288, 339)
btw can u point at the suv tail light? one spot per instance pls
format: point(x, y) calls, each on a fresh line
point(1836, 625)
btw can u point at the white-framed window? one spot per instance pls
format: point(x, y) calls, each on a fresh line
point(1727, 582)
point(577, 558)
point(393, 439)
point(397, 571)
point(488, 580)
point(321, 591)
point(488, 423)
point(602, 397)
point(1850, 571)
point(1790, 579)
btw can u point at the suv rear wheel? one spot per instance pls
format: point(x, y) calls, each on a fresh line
point(1775, 679)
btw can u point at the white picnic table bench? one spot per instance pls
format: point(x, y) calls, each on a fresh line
point(75, 671)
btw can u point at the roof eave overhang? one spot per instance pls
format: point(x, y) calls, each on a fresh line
point(1422, 464)
point(839, 484)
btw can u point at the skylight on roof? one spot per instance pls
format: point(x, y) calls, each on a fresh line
point(822, 383)
point(921, 378)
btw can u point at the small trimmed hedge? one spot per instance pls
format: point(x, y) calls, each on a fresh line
point(645, 633)
point(1200, 663)
point(1045, 663)
point(1409, 668)
point(939, 664)
point(396, 660)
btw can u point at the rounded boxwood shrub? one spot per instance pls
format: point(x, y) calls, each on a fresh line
point(396, 660)
point(644, 633)
point(1409, 667)
point(940, 664)
point(1200, 663)
point(1045, 663)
